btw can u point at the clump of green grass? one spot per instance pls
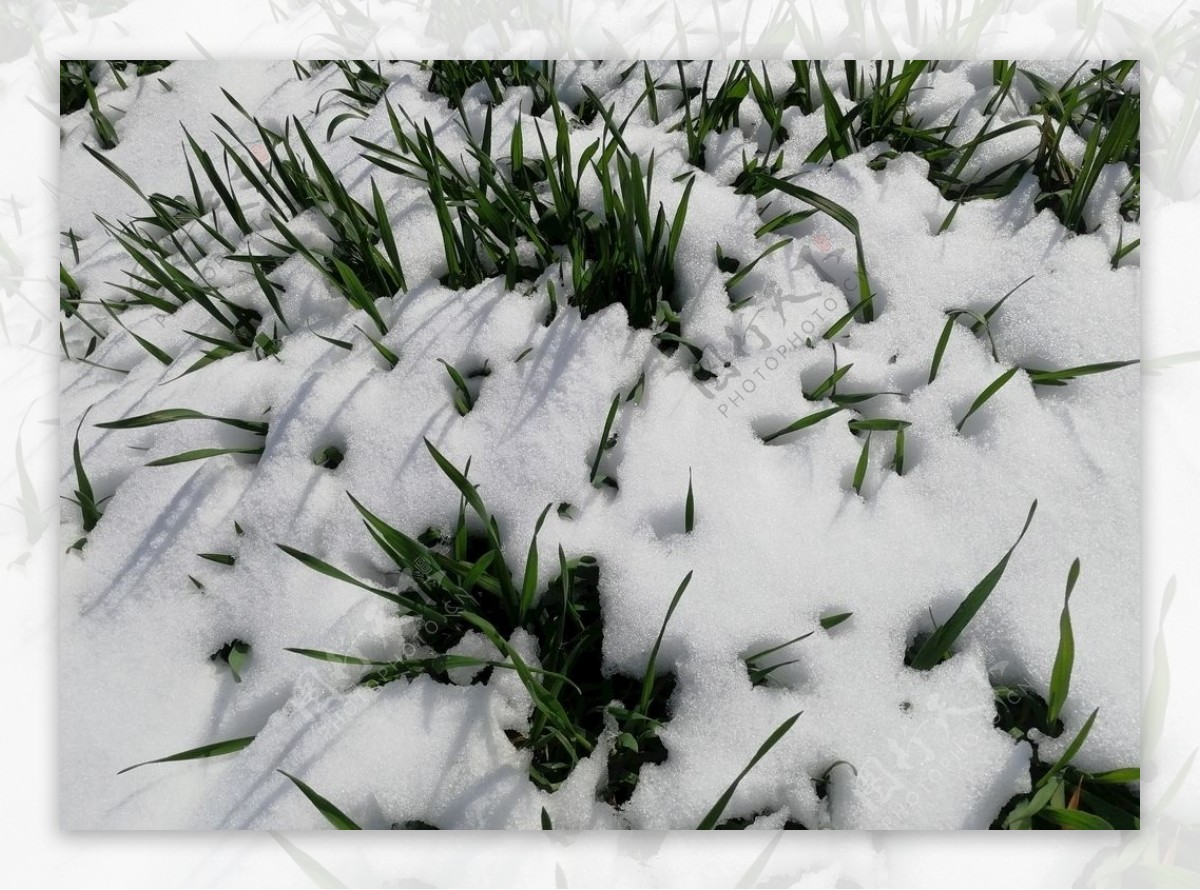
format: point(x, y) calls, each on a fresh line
point(634, 247)
point(452, 78)
point(626, 254)
point(77, 89)
point(481, 218)
point(72, 93)
point(165, 286)
point(1103, 110)
point(364, 88)
point(461, 583)
point(717, 111)
point(1065, 796)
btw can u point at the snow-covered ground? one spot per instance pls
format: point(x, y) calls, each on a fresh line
point(785, 532)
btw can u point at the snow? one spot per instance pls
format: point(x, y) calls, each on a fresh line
point(781, 538)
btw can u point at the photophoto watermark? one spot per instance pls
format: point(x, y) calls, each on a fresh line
point(751, 355)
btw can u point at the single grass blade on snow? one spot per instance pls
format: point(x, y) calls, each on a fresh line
point(710, 821)
point(216, 749)
point(937, 647)
point(332, 814)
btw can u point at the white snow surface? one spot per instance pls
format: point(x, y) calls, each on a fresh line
point(781, 538)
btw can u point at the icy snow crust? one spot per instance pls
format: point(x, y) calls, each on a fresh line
point(781, 538)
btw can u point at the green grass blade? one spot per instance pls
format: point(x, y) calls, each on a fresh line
point(216, 749)
point(388, 356)
point(709, 822)
point(201, 454)
point(860, 469)
point(981, 399)
point(84, 495)
point(603, 445)
point(1064, 660)
point(529, 582)
point(828, 622)
point(843, 217)
point(1077, 819)
point(939, 643)
point(332, 814)
point(878, 424)
point(1061, 377)
point(940, 350)
point(1072, 749)
point(171, 415)
point(689, 508)
point(765, 652)
point(806, 421)
point(648, 677)
point(387, 236)
point(829, 384)
point(736, 278)
point(318, 565)
point(462, 395)
point(334, 657)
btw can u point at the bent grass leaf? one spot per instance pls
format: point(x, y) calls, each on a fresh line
point(843, 217)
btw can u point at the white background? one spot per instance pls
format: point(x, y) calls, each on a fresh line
point(35, 35)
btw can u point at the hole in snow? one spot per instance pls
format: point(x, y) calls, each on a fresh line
point(330, 457)
point(778, 820)
point(1020, 710)
point(923, 627)
point(822, 783)
point(234, 656)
